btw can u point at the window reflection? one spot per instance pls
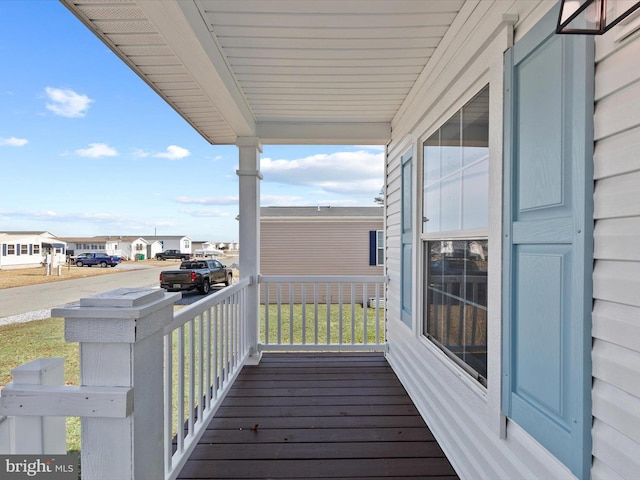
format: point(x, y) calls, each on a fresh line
point(456, 303)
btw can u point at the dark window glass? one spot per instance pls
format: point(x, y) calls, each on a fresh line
point(456, 306)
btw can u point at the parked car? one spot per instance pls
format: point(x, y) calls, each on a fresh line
point(197, 274)
point(91, 259)
point(174, 254)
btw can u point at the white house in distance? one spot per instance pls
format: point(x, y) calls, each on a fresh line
point(30, 249)
point(171, 242)
point(511, 161)
point(126, 247)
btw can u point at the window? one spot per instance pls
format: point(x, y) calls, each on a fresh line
point(455, 216)
point(24, 249)
point(11, 249)
point(376, 247)
point(36, 249)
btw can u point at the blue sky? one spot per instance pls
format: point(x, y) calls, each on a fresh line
point(87, 148)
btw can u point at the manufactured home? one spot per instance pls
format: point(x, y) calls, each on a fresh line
point(322, 240)
point(126, 247)
point(512, 199)
point(30, 250)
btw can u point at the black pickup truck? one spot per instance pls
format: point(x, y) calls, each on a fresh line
point(173, 254)
point(200, 274)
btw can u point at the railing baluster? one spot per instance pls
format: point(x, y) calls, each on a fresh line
point(315, 312)
point(365, 315)
point(340, 326)
point(304, 313)
point(192, 361)
point(181, 389)
point(279, 300)
point(266, 315)
point(168, 402)
point(291, 289)
point(216, 351)
point(353, 313)
point(328, 301)
point(377, 312)
point(200, 367)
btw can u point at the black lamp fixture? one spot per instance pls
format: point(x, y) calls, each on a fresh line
point(593, 17)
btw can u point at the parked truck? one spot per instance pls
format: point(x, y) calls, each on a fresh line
point(196, 274)
point(173, 254)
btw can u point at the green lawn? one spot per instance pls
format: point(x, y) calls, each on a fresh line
point(24, 342)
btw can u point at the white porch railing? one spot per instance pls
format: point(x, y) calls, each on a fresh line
point(204, 349)
point(325, 313)
point(169, 371)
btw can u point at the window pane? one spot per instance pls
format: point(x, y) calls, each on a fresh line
point(451, 146)
point(475, 128)
point(456, 305)
point(432, 208)
point(432, 159)
point(450, 203)
point(475, 196)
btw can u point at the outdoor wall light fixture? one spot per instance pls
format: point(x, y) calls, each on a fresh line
point(593, 17)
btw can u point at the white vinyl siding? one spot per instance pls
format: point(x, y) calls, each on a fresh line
point(464, 416)
point(616, 331)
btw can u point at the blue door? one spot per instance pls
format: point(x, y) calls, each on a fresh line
point(548, 241)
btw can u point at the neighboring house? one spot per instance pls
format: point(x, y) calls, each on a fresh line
point(321, 240)
point(30, 249)
point(126, 247)
point(511, 161)
point(204, 249)
point(325, 240)
point(171, 242)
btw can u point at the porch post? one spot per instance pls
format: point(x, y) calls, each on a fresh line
point(121, 336)
point(249, 255)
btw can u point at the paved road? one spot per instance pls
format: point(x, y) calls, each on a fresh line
point(35, 301)
point(22, 304)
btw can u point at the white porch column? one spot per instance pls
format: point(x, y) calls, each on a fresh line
point(249, 255)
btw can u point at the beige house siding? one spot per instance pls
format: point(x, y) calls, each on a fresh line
point(616, 330)
point(313, 244)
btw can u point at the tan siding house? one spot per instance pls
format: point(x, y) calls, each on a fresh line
point(318, 240)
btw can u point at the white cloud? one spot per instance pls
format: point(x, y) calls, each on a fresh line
point(67, 103)
point(173, 152)
point(13, 142)
point(228, 200)
point(357, 172)
point(207, 212)
point(97, 150)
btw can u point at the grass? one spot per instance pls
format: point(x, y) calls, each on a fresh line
point(24, 342)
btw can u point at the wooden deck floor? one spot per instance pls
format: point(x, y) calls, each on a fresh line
point(312, 416)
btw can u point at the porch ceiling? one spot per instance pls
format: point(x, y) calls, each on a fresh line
point(286, 71)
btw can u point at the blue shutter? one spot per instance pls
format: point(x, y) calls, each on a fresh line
point(373, 247)
point(31, 249)
point(4, 249)
point(18, 249)
point(548, 240)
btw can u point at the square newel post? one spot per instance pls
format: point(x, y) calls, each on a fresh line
point(249, 228)
point(121, 345)
point(35, 434)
